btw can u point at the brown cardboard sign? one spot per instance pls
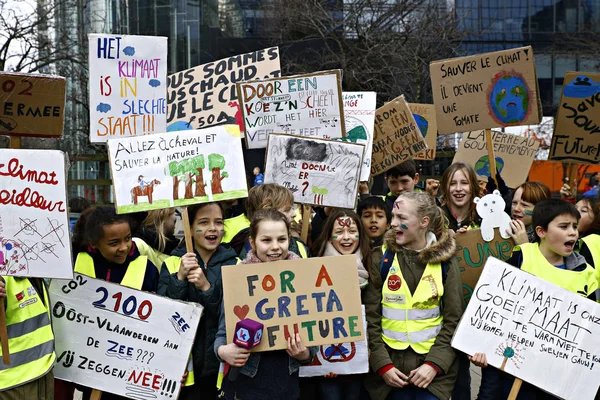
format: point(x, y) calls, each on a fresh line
point(472, 252)
point(397, 136)
point(425, 116)
point(486, 91)
point(317, 297)
point(576, 135)
point(32, 105)
point(514, 155)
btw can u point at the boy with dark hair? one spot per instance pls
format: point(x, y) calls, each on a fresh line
point(401, 178)
point(375, 216)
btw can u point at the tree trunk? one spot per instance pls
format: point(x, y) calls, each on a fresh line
point(175, 188)
point(216, 181)
point(188, 186)
point(200, 190)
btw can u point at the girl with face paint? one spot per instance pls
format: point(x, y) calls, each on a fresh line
point(524, 200)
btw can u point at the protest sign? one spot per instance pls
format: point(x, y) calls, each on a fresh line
point(339, 358)
point(177, 168)
point(472, 252)
point(359, 118)
point(318, 172)
point(514, 155)
point(534, 330)
point(32, 105)
point(304, 105)
point(128, 91)
point(316, 297)
point(486, 91)
point(206, 95)
point(576, 135)
point(397, 137)
point(120, 340)
point(34, 224)
point(425, 117)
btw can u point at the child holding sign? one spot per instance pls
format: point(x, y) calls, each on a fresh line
point(409, 332)
point(196, 277)
point(272, 374)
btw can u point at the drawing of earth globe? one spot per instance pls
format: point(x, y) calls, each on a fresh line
point(482, 166)
point(422, 124)
point(355, 130)
point(509, 99)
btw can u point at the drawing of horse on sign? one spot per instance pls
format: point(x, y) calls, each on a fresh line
point(143, 188)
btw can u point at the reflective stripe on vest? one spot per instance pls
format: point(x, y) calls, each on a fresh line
point(302, 249)
point(581, 282)
point(172, 264)
point(233, 226)
point(411, 319)
point(30, 336)
point(134, 276)
point(155, 256)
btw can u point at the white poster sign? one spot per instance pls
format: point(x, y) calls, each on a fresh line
point(128, 86)
point(177, 168)
point(303, 105)
point(533, 330)
point(119, 340)
point(318, 172)
point(34, 225)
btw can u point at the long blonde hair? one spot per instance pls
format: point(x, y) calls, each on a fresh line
point(156, 221)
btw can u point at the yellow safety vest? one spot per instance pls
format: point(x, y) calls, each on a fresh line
point(134, 276)
point(593, 243)
point(536, 264)
point(411, 319)
point(155, 256)
point(30, 336)
point(233, 226)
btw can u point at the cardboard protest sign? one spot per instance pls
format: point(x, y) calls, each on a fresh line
point(514, 155)
point(359, 118)
point(177, 168)
point(119, 340)
point(576, 135)
point(304, 105)
point(472, 252)
point(34, 225)
point(318, 172)
point(316, 297)
point(397, 137)
point(206, 95)
point(425, 117)
point(32, 105)
point(128, 86)
point(486, 91)
point(340, 358)
point(534, 330)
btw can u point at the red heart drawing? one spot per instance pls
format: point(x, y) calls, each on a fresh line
point(241, 312)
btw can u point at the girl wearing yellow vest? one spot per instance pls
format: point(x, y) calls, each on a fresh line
point(155, 238)
point(413, 303)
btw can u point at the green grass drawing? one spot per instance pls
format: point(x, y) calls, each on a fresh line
point(232, 194)
point(187, 202)
point(143, 206)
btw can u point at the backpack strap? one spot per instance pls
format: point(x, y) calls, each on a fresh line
point(386, 263)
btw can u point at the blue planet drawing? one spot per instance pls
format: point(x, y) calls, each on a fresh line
point(581, 87)
point(129, 51)
point(482, 166)
point(332, 350)
point(103, 107)
point(154, 82)
point(422, 123)
point(509, 99)
point(179, 126)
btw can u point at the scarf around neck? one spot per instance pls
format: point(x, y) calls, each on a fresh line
point(363, 275)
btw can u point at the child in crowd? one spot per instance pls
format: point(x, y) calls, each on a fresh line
point(417, 271)
point(155, 238)
point(551, 257)
point(271, 374)
point(589, 230)
point(401, 178)
point(196, 277)
point(524, 200)
point(375, 216)
point(458, 189)
point(262, 197)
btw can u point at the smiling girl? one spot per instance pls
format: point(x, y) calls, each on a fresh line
point(458, 189)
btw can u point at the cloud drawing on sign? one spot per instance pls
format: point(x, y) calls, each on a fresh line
point(154, 82)
point(129, 51)
point(103, 107)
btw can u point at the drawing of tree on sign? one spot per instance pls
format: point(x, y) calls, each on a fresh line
point(216, 163)
point(175, 170)
point(191, 172)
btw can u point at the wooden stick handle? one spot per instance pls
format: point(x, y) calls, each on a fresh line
point(4, 334)
point(187, 230)
point(491, 156)
point(96, 394)
point(572, 177)
point(514, 391)
point(306, 211)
